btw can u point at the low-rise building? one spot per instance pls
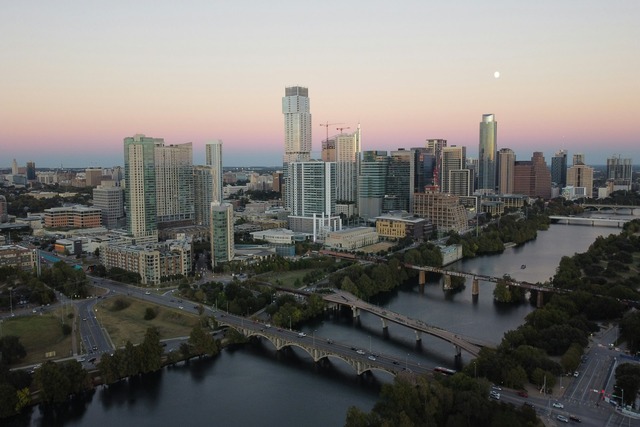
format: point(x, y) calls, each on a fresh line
point(73, 216)
point(18, 256)
point(352, 238)
point(155, 263)
point(398, 225)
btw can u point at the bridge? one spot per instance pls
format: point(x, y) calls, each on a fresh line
point(614, 208)
point(342, 298)
point(589, 221)
point(320, 348)
point(475, 287)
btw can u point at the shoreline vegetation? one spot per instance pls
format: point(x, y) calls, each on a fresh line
point(558, 330)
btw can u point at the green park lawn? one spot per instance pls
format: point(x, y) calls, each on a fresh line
point(129, 324)
point(286, 278)
point(39, 334)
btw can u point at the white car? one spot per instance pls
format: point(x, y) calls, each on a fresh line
point(494, 395)
point(302, 334)
point(562, 418)
point(558, 405)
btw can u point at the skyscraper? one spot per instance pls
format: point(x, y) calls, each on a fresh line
point(297, 125)
point(620, 171)
point(453, 159)
point(174, 184)
point(581, 175)
point(400, 181)
point(311, 188)
point(31, 171)
point(559, 168)
point(506, 165)
point(110, 198)
point(372, 183)
point(213, 152)
point(347, 154)
point(487, 153)
point(435, 146)
point(203, 183)
point(533, 177)
point(222, 243)
point(140, 187)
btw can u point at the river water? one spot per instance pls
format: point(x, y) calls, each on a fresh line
point(254, 385)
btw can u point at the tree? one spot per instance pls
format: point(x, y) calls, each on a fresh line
point(53, 384)
point(202, 342)
point(8, 400)
point(11, 348)
point(150, 353)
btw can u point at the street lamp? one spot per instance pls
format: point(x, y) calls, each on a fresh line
point(475, 372)
point(289, 322)
point(11, 300)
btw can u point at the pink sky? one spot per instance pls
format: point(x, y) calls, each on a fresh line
point(78, 78)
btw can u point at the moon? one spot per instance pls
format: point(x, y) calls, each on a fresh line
point(496, 74)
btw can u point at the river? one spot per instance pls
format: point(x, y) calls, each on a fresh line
point(256, 386)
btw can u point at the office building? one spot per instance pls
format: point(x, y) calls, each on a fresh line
point(73, 217)
point(487, 153)
point(578, 159)
point(4, 210)
point(506, 166)
point(222, 243)
point(31, 171)
point(109, 198)
point(213, 154)
point(461, 182)
point(400, 181)
point(559, 168)
point(425, 169)
point(533, 177)
point(435, 146)
point(581, 175)
point(372, 180)
point(92, 177)
point(442, 209)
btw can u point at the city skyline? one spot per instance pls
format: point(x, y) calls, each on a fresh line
point(77, 80)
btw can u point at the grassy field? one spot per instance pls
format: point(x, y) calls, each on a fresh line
point(129, 324)
point(39, 335)
point(287, 278)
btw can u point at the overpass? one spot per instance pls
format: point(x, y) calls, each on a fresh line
point(579, 220)
point(342, 298)
point(320, 348)
point(475, 287)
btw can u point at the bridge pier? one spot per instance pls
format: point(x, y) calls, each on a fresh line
point(355, 311)
point(540, 299)
point(447, 282)
point(384, 324)
point(422, 279)
point(458, 352)
point(475, 288)
point(418, 335)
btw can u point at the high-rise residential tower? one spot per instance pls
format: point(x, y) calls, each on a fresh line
point(620, 171)
point(581, 175)
point(213, 152)
point(347, 154)
point(297, 124)
point(140, 187)
point(311, 188)
point(453, 159)
point(559, 168)
point(174, 184)
point(435, 146)
point(487, 153)
point(506, 165)
point(222, 240)
point(400, 181)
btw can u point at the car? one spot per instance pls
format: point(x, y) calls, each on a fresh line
point(302, 335)
point(562, 418)
point(558, 405)
point(371, 358)
point(80, 359)
point(93, 359)
point(268, 325)
point(576, 373)
point(494, 395)
point(523, 393)
point(95, 348)
point(395, 362)
point(529, 404)
point(574, 418)
point(181, 307)
point(329, 342)
point(495, 387)
point(359, 351)
point(147, 293)
point(34, 311)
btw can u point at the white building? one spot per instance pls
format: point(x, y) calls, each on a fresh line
point(214, 160)
point(279, 236)
point(222, 240)
point(347, 153)
point(352, 238)
point(297, 124)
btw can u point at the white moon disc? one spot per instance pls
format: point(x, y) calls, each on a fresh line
point(496, 74)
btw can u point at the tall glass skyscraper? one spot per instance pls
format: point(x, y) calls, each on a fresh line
point(487, 153)
point(372, 181)
point(559, 168)
point(297, 125)
point(213, 153)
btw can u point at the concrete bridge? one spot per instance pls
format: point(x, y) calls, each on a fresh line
point(476, 278)
point(459, 342)
point(579, 220)
point(320, 348)
point(614, 208)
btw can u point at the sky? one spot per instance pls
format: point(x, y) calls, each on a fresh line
point(76, 77)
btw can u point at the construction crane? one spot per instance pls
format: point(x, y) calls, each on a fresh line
point(327, 124)
point(341, 129)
